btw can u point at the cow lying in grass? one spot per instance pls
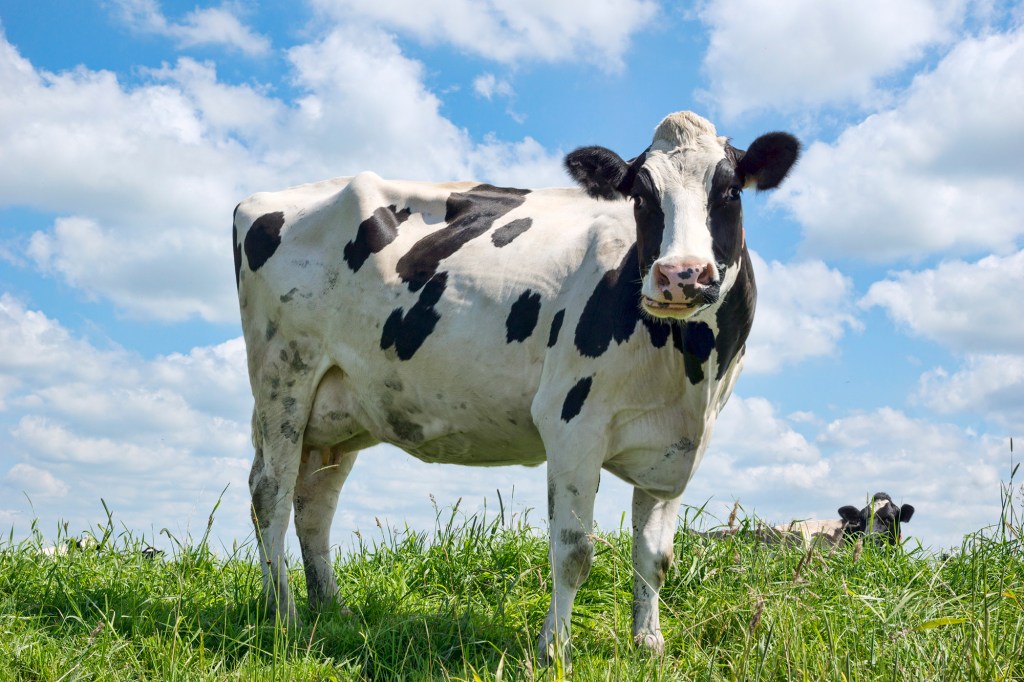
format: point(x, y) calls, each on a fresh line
point(88, 542)
point(880, 520)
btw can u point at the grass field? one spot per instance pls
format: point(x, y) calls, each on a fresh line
point(466, 602)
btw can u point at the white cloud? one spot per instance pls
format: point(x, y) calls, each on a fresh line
point(967, 307)
point(951, 476)
point(790, 56)
point(34, 481)
point(37, 348)
point(487, 85)
point(167, 160)
point(209, 26)
point(803, 311)
point(767, 463)
point(595, 31)
point(941, 171)
point(988, 385)
point(85, 424)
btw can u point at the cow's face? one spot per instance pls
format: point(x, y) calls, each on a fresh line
point(686, 191)
point(878, 521)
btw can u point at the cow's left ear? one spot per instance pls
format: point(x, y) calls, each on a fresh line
point(768, 160)
point(850, 514)
point(598, 171)
point(906, 511)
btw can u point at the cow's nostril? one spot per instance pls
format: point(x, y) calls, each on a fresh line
point(707, 275)
point(661, 280)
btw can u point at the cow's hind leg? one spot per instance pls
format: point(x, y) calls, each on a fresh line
point(654, 527)
point(275, 469)
point(321, 476)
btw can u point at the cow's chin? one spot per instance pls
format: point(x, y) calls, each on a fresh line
point(667, 310)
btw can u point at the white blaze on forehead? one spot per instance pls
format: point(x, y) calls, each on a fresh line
point(880, 504)
point(875, 524)
point(682, 160)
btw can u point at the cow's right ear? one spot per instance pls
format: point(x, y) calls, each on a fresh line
point(850, 514)
point(598, 171)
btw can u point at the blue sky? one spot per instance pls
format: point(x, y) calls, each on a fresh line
point(888, 349)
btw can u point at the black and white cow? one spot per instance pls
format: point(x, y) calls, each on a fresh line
point(879, 521)
point(473, 324)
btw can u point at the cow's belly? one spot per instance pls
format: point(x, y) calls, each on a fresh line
point(429, 425)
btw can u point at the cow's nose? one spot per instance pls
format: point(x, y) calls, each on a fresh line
point(685, 272)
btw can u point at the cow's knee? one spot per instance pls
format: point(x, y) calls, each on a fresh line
point(575, 557)
point(264, 490)
point(659, 565)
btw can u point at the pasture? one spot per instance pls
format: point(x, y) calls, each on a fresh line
point(466, 601)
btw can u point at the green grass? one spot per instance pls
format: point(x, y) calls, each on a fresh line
point(466, 602)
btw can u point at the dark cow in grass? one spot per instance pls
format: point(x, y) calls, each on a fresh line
point(590, 329)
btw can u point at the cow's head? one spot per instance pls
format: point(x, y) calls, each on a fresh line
point(879, 520)
point(686, 190)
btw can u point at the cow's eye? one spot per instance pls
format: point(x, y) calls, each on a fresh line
point(733, 193)
point(638, 201)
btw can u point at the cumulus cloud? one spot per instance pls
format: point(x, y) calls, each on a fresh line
point(206, 26)
point(988, 385)
point(781, 468)
point(169, 158)
point(85, 423)
point(803, 310)
point(489, 86)
point(595, 31)
point(34, 481)
point(971, 307)
point(941, 171)
point(789, 56)
point(950, 475)
point(159, 439)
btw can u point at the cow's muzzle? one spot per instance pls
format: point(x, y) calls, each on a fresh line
point(680, 287)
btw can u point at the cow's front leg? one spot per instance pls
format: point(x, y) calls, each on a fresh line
point(321, 476)
point(571, 493)
point(272, 486)
point(654, 527)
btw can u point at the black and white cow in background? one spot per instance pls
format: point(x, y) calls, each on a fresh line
point(880, 520)
point(472, 324)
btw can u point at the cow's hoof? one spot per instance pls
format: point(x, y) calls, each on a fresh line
point(550, 656)
point(652, 642)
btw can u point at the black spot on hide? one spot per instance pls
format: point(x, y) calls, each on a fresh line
point(613, 311)
point(556, 326)
point(468, 215)
point(504, 235)
point(575, 398)
point(735, 316)
point(695, 341)
point(406, 333)
point(374, 233)
point(263, 238)
point(522, 318)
